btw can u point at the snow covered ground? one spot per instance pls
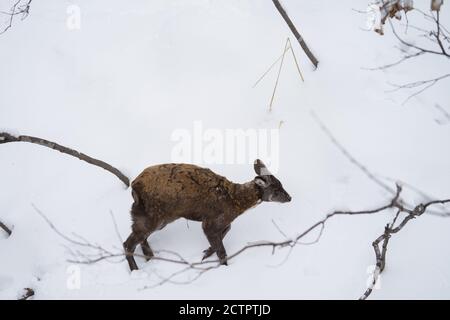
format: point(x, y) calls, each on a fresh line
point(136, 71)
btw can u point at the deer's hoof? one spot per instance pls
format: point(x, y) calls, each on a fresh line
point(207, 253)
point(148, 257)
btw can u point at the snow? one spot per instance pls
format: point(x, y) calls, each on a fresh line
point(120, 85)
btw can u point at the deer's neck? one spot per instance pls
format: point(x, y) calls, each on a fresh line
point(245, 196)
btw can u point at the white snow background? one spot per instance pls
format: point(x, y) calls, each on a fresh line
point(137, 70)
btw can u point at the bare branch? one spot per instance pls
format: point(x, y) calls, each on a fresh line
point(393, 64)
point(6, 138)
point(424, 84)
point(444, 113)
point(408, 44)
point(389, 230)
point(347, 154)
point(5, 228)
point(438, 36)
point(16, 9)
point(418, 210)
point(297, 35)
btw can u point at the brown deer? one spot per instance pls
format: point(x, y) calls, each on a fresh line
point(167, 192)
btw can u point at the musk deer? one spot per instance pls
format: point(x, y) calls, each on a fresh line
point(164, 193)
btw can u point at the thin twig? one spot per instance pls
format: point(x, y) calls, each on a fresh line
point(269, 68)
point(295, 60)
point(278, 75)
point(439, 37)
point(347, 154)
point(16, 10)
point(425, 84)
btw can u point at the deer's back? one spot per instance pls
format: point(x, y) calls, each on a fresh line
point(181, 190)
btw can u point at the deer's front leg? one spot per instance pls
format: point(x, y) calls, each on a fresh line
point(210, 251)
point(214, 233)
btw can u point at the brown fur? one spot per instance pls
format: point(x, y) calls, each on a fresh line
point(165, 193)
point(172, 191)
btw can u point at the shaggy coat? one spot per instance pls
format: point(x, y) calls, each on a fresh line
point(167, 192)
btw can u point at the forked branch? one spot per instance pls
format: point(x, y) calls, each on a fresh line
point(19, 7)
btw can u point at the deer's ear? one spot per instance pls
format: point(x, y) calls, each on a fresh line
point(261, 182)
point(260, 168)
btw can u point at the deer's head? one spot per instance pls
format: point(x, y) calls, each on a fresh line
point(270, 187)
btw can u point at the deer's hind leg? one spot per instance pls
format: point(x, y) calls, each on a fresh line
point(130, 246)
point(141, 229)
